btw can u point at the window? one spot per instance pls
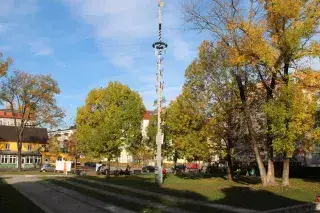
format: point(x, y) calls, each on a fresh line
point(59, 159)
point(7, 146)
point(4, 159)
point(37, 160)
point(29, 147)
point(12, 159)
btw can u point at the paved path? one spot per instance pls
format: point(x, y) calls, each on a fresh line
point(54, 199)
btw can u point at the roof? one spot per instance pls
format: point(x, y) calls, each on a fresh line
point(7, 113)
point(61, 130)
point(30, 135)
point(23, 153)
point(147, 115)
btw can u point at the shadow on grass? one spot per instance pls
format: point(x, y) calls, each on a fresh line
point(247, 180)
point(196, 175)
point(312, 180)
point(236, 196)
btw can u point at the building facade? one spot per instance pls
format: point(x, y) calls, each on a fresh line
point(33, 142)
point(7, 119)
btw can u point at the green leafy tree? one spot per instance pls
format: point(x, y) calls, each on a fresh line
point(185, 124)
point(214, 90)
point(167, 149)
point(54, 146)
point(268, 35)
point(32, 102)
point(293, 122)
point(109, 121)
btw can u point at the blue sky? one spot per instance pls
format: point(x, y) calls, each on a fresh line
point(84, 44)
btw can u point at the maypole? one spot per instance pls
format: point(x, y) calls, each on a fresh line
point(159, 48)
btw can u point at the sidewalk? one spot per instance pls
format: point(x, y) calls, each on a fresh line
point(51, 200)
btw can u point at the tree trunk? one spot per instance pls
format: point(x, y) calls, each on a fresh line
point(252, 134)
point(108, 170)
point(285, 172)
point(229, 169)
point(271, 180)
point(76, 159)
point(230, 162)
point(270, 174)
point(19, 145)
point(286, 160)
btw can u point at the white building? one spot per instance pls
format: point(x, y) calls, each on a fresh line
point(7, 119)
point(125, 157)
point(62, 135)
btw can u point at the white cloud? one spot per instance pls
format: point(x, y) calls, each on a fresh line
point(40, 48)
point(124, 22)
point(181, 50)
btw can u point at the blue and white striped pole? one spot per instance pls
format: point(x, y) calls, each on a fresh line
point(159, 46)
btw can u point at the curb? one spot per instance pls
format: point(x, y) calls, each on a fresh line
point(309, 207)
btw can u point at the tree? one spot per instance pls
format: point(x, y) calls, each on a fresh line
point(4, 65)
point(32, 100)
point(109, 121)
point(293, 119)
point(54, 146)
point(167, 148)
point(72, 149)
point(185, 124)
point(269, 35)
point(211, 83)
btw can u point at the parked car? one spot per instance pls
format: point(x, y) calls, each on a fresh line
point(148, 169)
point(47, 168)
point(179, 168)
point(90, 164)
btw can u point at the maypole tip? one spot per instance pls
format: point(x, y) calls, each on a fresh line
point(160, 3)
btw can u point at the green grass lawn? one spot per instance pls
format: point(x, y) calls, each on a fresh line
point(11, 201)
point(127, 204)
point(246, 193)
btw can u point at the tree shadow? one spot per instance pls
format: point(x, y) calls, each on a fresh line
point(197, 176)
point(247, 180)
point(235, 196)
point(312, 180)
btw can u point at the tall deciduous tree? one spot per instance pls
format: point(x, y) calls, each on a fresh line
point(185, 124)
point(109, 121)
point(32, 102)
point(269, 35)
point(292, 115)
point(214, 89)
